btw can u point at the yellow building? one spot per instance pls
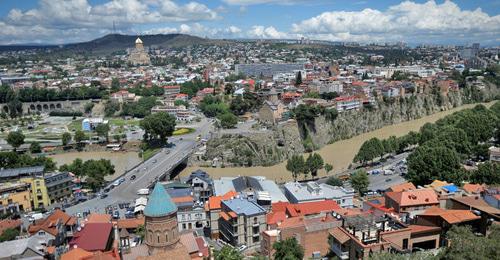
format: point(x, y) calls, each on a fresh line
point(39, 192)
point(15, 197)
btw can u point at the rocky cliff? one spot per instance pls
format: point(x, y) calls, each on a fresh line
point(278, 144)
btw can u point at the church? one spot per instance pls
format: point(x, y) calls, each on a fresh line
point(139, 56)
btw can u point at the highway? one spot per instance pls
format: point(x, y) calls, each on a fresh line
point(147, 172)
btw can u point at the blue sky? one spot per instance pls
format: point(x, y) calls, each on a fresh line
point(440, 21)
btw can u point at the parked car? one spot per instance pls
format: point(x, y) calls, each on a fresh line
point(116, 214)
point(104, 195)
point(132, 177)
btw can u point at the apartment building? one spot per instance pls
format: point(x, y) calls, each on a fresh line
point(15, 197)
point(59, 185)
point(39, 193)
point(411, 202)
point(311, 191)
point(242, 221)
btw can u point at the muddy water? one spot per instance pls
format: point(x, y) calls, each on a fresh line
point(121, 160)
point(339, 154)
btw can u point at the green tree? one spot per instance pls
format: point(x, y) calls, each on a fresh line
point(369, 150)
point(334, 181)
point(295, 165)
point(158, 126)
point(428, 163)
point(298, 79)
point(117, 137)
point(288, 249)
point(314, 163)
point(228, 253)
point(15, 139)
point(66, 138)
point(115, 85)
point(102, 130)
point(464, 244)
point(488, 173)
point(227, 120)
point(79, 136)
point(328, 168)
point(35, 147)
point(9, 234)
point(140, 231)
point(359, 181)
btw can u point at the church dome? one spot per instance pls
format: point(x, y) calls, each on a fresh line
point(138, 41)
point(159, 203)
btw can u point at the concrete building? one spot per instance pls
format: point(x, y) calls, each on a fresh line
point(494, 154)
point(257, 187)
point(311, 191)
point(213, 208)
point(59, 185)
point(411, 202)
point(267, 70)
point(16, 173)
point(33, 248)
point(202, 185)
point(347, 103)
point(271, 112)
point(15, 197)
point(190, 212)
point(241, 222)
point(39, 193)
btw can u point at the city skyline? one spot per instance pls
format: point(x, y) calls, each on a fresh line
point(414, 22)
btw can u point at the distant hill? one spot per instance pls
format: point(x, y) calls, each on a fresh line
point(116, 42)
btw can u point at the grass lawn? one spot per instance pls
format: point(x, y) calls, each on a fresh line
point(75, 125)
point(183, 131)
point(149, 153)
point(122, 122)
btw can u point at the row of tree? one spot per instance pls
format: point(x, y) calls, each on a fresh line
point(93, 171)
point(286, 249)
point(314, 162)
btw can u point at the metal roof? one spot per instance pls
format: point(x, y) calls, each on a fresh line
point(14, 172)
point(242, 206)
point(159, 203)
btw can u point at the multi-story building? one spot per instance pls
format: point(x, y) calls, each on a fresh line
point(494, 154)
point(202, 185)
point(172, 91)
point(59, 185)
point(16, 173)
point(311, 191)
point(190, 212)
point(39, 193)
point(15, 197)
point(347, 103)
point(267, 69)
point(58, 227)
point(213, 209)
point(258, 187)
point(411, 202)
point(242, 221)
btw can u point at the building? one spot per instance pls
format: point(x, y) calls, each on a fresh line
point(402, 187)
point(89, 124)
point(15, 197)
point(284, 210)
point(311, 233)
point(473, 189)
point(139, 56)
point(267, 70)
point(201, 184)
point(58, 227)
point(271, 112)
point(445, 192)
point(59, 185)
point(311, 191)
point(94, 237)
point(122, 96)
point(172, 91)
point(190, 212)
point(488, 213)
point(360, 236)
point(347, 103)
point(213, 208)
point(492, 197)
point(411, 202)
point(33, 248)
point(16, 173)
point(40, 197)
point(161, 228)
point(494, 154)
point(241, 222)
point(258, 187)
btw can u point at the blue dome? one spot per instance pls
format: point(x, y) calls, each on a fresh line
point(159, 203)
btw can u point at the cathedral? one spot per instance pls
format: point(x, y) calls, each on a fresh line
point(138, 56)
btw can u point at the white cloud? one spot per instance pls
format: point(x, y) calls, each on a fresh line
point(262, 32)
point(409, 21)
point(255, 2)
point(56, 16)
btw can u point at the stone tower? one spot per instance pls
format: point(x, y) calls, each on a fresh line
point(162, 233)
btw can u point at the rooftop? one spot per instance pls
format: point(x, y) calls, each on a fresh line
point(315, 191)
point(452, 216)
point(247, 184)
point(93, 237)
point(242, 206)
point(14, 172)
point(414, 197)
point(159, 203)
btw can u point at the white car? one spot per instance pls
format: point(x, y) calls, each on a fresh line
point(242, 247)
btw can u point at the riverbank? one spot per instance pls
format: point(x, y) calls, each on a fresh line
point(122, 161)
point(340, 154)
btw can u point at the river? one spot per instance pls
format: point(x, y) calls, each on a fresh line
point(339, 154)
point(122, 161)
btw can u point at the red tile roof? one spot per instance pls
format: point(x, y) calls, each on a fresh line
point(93, 236)
point(9, 223)
point(421, 229)
point(414, 197)
point(130, 223)
point(98, 218)
point(474, 188)
point(214, 201)
point(403, 187)
point(49, 224)
point(275, 217)
point(452, 216)
point(310, 208)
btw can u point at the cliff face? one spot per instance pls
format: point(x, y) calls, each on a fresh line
point(271, 147)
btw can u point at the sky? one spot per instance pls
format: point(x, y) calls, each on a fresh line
point(379, 21)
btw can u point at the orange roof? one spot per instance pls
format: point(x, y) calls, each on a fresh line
point(421, 228)
point(225, 216)
point(413, 197)
point(292, 222)
point(452, 216)
point(49, 224)
point(98, 218)
point(339, 234)
point(232, 214)
point(182, 199)
point(130, 223)
point(9, 223)
point(312, 207)
point(474, 188)
point(275, 217)
point(403, 187)
point(279, 206)
point(214, 201)
point(76, 254)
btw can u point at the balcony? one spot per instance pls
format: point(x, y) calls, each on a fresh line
point(344, 255)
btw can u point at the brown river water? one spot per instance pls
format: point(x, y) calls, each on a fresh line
point(339, 154)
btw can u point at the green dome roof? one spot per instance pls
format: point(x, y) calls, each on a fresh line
point(159, 203)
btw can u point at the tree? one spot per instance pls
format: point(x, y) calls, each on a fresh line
point(488, 173)
point(370, 150)
point(15, 139)
point(66, 138)
point(334, 181)
point(9, 234)
point(314, 163)
point(140, 231)
point(227, 120)
point(360, 181)
point(79, 136)
point(298, 78)
point(35, 147)
point(288, 249)
point(117, 137)
point(464, 244)
point(158, 126)
point(328, 168)
point(428, 163)
point(295, 165)
point(115, 85)
point(228, 253)
point(102, 130)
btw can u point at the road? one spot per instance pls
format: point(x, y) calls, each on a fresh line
point(147, 172)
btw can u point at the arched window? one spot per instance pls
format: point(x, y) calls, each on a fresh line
point(166, 237)
point(158, 236)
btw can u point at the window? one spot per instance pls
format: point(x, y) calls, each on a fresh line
point(405, 243)
point(255, 239)
point(158, 236)
point(166, 237)
point(183, 225)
